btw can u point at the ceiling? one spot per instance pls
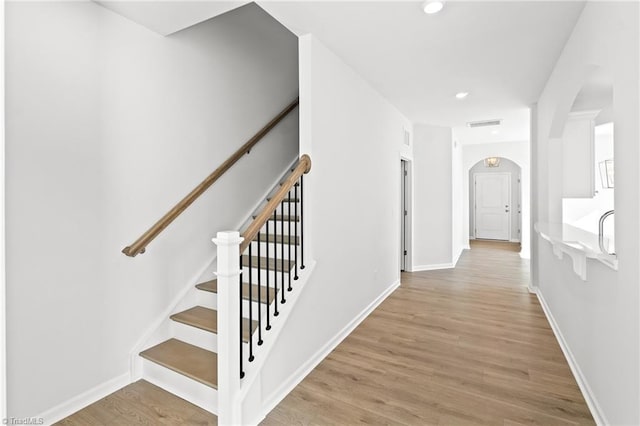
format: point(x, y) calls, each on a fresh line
point(501, 52)
point(167, 17)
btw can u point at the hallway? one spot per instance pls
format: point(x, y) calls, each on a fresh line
point(468, 345)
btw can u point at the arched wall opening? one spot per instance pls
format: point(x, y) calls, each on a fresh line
point(511, 213)
point(516, 152)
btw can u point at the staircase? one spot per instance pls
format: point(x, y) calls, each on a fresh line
point(203, 350)
point(186, 361)
point(187, 353)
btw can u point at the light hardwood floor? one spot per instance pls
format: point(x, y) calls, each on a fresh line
point(140, 403)
point(463, 346)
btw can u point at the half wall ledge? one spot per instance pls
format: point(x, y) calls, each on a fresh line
point(579, 244)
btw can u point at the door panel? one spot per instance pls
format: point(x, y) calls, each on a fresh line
point(403, 214)
point(493, 206)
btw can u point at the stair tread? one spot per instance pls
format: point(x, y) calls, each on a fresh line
point(194, 362)
point(280, 217)
point(288, 264)
point(212, 286)
point(207, 319)
point(279, 239)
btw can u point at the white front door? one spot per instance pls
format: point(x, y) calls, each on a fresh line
point(493, 206)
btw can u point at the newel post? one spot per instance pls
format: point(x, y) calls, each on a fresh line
point(228, 274)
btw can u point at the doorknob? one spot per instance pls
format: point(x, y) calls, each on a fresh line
point(506, 211)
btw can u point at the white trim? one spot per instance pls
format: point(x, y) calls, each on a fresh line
point(79, 402)
point(252, 370)
point(433, 267)
point(408, 259)
point(181, 386)
point(299, 375)
point(587, 393)
point(3, 311)
point(457, 257)
point(135, 362)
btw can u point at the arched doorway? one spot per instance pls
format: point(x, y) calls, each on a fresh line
point(495, 200)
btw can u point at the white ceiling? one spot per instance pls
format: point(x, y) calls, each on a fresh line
point(502, 53)
point(167, 17)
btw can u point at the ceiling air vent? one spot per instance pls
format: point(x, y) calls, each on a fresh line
point(485, 123)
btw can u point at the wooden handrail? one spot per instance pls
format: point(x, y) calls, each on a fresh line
point(303, 167)
point(141, 243)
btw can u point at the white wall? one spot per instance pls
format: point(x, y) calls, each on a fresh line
point(352, 208)
point(460, 241)
point(433, 197)
point(3, 334)
point(108, 125)
point(518, 152)
point(598, 319)
point(505, 166)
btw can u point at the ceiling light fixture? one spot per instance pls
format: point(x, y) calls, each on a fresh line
point(431, 7)
point(462, 95)
point(492, 162)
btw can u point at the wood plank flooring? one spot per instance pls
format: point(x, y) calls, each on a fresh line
point(464, 346)
point(140, 403)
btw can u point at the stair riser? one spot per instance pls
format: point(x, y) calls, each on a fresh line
point(195, 336)
point(191, 390)
point(263, 274)
point(207, 299)
point(286, 209)
point(276, 228)
point(263, 250)
point(210, 300)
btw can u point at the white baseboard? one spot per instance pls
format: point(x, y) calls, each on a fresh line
point(79, 402)
point(587, 393)
point(433, 267)
point(457, 256)
point(302, 372)
point(252, 370)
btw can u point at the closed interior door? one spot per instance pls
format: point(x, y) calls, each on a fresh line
point(493, 206)
point(403, 218)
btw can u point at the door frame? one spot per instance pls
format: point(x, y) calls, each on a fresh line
point(475, 202)
point(406, 223)
point(3, 300)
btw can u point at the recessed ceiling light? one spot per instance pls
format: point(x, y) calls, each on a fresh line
point(462, 95)
point(431, 7)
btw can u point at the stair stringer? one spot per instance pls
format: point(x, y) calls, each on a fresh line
point(250, 387)
point(161, 328)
